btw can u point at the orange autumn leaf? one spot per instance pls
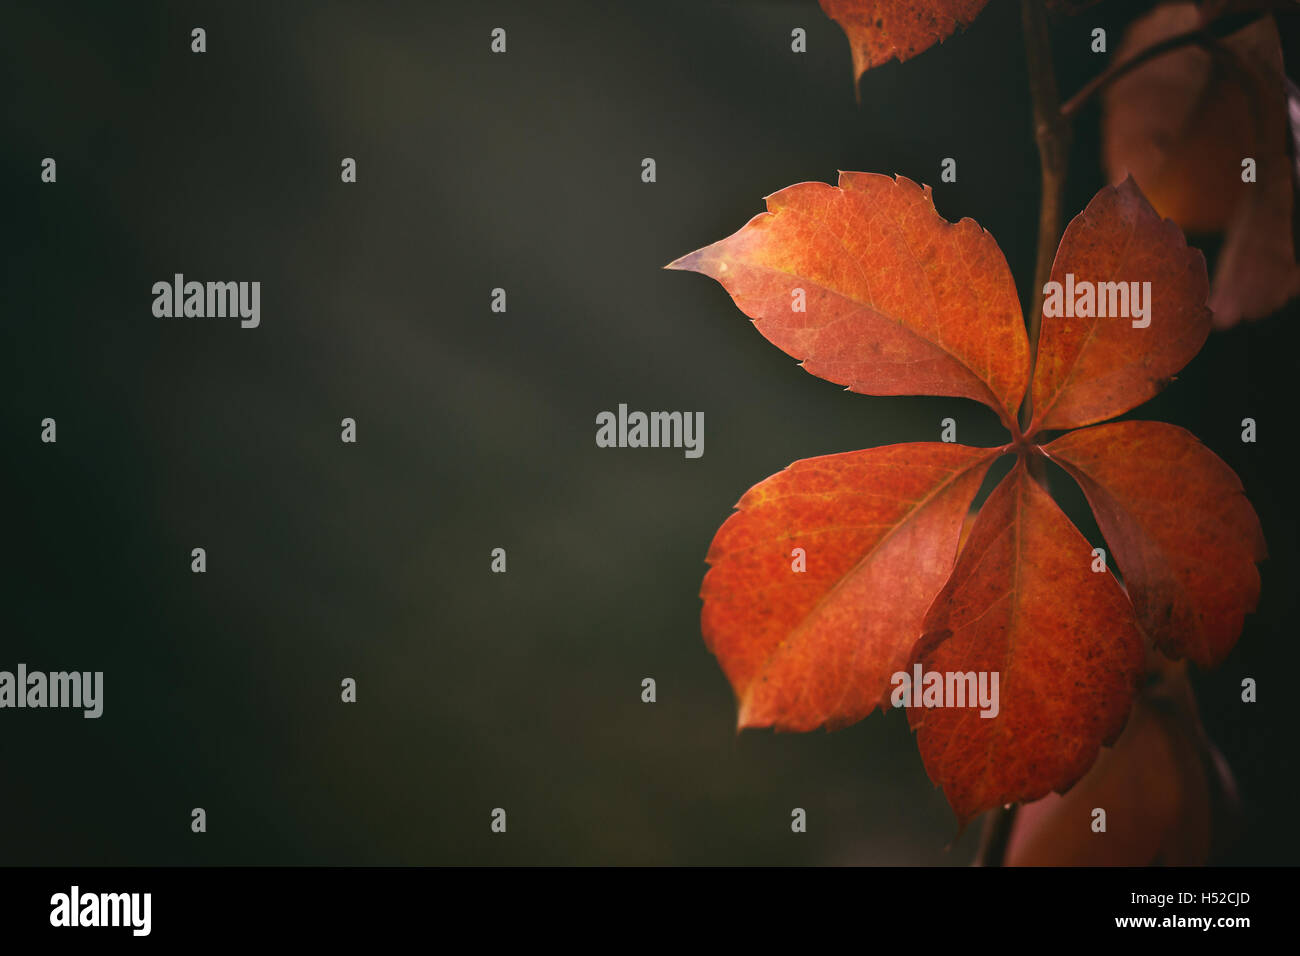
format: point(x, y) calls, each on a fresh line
point(881, 527)
point(1024, 603)
point(834, 575)
point(1095, 367)
point(870, 287)
point(1191, 581)
point(883, 30)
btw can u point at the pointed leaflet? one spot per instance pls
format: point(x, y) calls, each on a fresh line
point(880, 30)
point(1024, 602)
point(897, 300)
point(879, 530)
point(1092, 368)
point(1182, 531)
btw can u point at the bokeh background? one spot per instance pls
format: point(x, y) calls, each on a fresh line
point(476, 430)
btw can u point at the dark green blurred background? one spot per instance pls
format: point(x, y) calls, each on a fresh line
point(476, 430)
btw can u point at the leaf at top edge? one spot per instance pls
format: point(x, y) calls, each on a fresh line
point(895, 299)
point(1093, 367)
point(883, 30)
point(1182, 531)
point(1023, 602)
point(878, 531)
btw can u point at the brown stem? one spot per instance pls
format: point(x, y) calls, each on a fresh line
point(1199, 36)
point(996, 836)
point(1206, 35)
point(1052, 132)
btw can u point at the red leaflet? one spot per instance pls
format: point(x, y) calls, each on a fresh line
point(840, 572)
point(812, 639)
point(1024, 603)
point(895, 299)
point(1093, 363)
point(881, 30)
point(1180, 526)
